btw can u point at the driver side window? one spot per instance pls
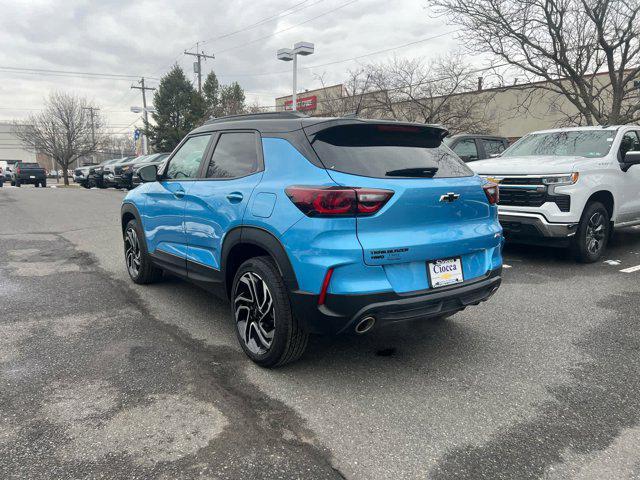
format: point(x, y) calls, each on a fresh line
point(630, 143)
point(186, 162)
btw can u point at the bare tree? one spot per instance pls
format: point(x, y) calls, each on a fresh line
point(409, 90)
point(585, 51)
point(437, 92)
point(64, 130)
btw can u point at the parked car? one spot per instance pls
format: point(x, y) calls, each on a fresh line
point(81, 176)
point(28, 173)
point(476, 147)
point(123, 173)
point(316, 225)
point(108, 171)
point(569, 187)
point(8, 173)
point(99, 175)
point(1, 176)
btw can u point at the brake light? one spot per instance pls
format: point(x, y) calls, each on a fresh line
point(492, 191)
point(18, 170)
point(338, 201)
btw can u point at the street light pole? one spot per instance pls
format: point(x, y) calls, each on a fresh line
point(291, 54)
point(144, 106)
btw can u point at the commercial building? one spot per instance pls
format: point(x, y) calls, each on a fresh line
point(510, 111)
point(11, 150)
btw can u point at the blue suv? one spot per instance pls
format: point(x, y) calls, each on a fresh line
point(316, 225)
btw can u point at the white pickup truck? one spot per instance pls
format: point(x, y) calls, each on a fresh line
point(570, 187)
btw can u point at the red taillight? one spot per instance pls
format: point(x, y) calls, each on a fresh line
point(492, 191)
point(325, 286)
point(338, 201)
point(18, 170)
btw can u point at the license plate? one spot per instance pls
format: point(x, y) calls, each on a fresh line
point(32, 176)
point(445, 272)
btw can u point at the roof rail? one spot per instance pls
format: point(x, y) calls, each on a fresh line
point(258, 116)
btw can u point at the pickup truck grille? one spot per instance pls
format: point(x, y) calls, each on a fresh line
point(517, 197)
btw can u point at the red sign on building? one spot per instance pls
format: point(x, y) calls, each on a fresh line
point(303, 103)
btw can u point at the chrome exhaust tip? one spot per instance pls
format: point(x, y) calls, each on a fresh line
point(365, 324)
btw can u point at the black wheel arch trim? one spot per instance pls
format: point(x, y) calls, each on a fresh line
point(129, 208)
point(267, 241)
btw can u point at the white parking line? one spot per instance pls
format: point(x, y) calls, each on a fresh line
point(631, 269)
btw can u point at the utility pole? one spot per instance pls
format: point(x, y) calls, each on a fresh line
point(200, 56)
point(144, 110)
point(93, 132)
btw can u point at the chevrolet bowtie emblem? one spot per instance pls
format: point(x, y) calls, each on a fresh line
point(449, 197)
point(494, 180)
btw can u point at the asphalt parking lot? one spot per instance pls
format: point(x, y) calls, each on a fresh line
point(101, 378)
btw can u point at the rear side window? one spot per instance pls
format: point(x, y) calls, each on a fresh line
point(466, 149)
point(387, 151)
point(236, 155)
point(493, 147)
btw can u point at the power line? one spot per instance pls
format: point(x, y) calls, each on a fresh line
point(344, 60)
point(112, 76)
point(277, 16)
point(289, 28)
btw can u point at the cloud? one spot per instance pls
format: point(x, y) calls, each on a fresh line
point(147, 37)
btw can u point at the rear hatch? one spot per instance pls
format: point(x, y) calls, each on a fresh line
point(438, 210)
point(28, 170)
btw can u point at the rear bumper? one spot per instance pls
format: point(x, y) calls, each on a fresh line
point(534, 225)
point(341, 313)
point(27, 179)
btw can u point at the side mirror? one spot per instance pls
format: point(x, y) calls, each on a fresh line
point(630, 159)
point(148, 173)
point(495, 155)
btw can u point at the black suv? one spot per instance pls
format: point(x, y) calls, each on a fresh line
point(476, 147)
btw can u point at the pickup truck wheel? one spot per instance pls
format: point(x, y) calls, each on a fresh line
point(43, 184)
point(590, 240)
point(17, 184)
point(268, 331)
point(139, 265)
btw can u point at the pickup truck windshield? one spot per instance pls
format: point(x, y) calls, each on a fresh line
point(579, 143)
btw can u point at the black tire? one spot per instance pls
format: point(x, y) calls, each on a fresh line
point(85, 185)
point(289, 335)
point(146, 272)
point(591, 238)
point(18, 184)
point(43, 184)
point(13, 184)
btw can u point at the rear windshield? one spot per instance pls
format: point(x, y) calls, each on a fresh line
point(387, 151)
point(29, 165)
point(579, 143)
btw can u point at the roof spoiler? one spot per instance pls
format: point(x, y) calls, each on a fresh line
point(438, 131)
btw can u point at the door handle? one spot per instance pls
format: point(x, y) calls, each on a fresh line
point(179, 193)
point(235, 197)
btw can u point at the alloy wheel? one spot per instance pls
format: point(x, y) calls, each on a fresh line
point(596, 232)
point(132, 252)
point(254, 312)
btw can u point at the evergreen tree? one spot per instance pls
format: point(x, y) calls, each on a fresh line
point(232, 100)
point(179, 109)
point(211, 93)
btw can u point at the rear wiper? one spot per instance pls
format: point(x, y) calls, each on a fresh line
point(427, 172)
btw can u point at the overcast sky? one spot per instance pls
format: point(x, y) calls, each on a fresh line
point(146, 37)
